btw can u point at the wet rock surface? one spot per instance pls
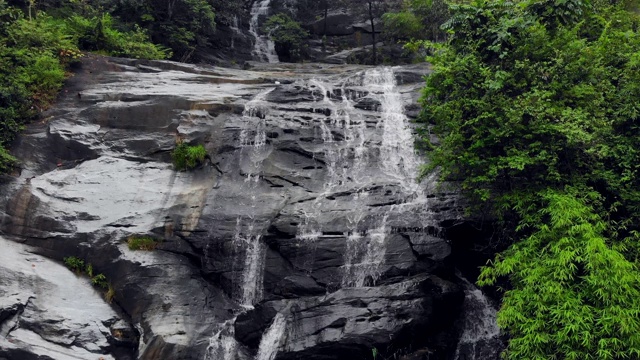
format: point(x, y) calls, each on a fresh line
point(47, 312)
point(306, 206)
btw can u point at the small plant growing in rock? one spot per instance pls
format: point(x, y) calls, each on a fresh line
point(142, 243)
point(100, 281)
point(79, 266)
point(187, 157)
point(89, 270)
point(75, 264)
point(110, 294)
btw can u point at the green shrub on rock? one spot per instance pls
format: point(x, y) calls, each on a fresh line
point(187, 157)
point(100, 281)
point(75, 264)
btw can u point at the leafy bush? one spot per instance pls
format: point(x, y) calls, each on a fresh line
point(100, 281)
point(142, 243)
point(181, 25)
point(75, 264)
point(418, 19)
point(98, 33)
point(288, 37)
point(537, 113)
point(34, 52)
point(89, 270)
point(186, 157)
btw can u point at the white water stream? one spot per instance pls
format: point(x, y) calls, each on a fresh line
point(223, 345)
point(272, 338)
point(480, 337)
point(248, 235)
point(264, 49)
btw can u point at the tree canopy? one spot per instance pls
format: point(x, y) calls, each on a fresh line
point(535, 104)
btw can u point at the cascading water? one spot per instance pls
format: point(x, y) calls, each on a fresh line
point(366, 153)
point(397, 154)
point(222, 345)
point(264, 49)
point(272, 338)
point(480, 338)
point(366, 248)
point(344, 159)
point(248, 235)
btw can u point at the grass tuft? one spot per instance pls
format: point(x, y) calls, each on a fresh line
point(147, 243)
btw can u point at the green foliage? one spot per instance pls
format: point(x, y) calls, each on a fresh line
point(34, 53)
point(402, 25)
point(418, 19)
point(573, 296)
point(142, 243)
point(89, 270)
point(181, 25)
point(187, 157)
point(75, 264)
point(98, 33)
point(7, 161)
point(100, 281)
point(537, 114)
point(288, 37)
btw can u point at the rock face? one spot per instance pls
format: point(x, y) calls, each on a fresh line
point(47, 312)
point(304, 235)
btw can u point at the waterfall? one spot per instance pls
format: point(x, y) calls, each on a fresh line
point(367, 153)
point(251, 285)
point(345, 160)
point(397, 154)
point(480, 338)
point(366, 249)
point(264, 49)
point(272, 338)
point(247, 238)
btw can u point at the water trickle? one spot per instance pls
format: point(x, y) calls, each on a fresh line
point(272, 338)
point(264, 49)
point(247, 239)
point(480, 338)
point(236, 31)
point(222, 345)
point(364, 256)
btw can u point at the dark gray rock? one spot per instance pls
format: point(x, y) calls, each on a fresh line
point(338, 23)
point(350, 322)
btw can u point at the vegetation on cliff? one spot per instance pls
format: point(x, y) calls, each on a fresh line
point(536, 107)
point(37, 48)
point(288, 37)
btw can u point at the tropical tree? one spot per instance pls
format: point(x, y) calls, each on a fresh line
point(535, 106)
